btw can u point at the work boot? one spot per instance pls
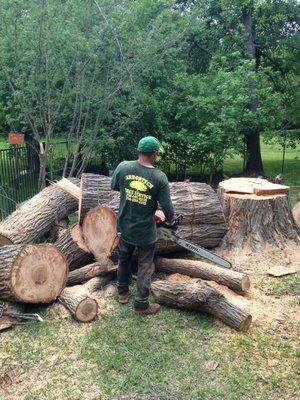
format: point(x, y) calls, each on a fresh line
point(124, 298)
point(152, 309)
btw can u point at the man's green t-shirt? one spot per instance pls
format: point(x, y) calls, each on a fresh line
point(141, 189)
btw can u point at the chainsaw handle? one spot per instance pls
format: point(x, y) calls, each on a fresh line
point(173, 225)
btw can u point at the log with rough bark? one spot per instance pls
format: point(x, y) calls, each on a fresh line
point(255, 220)
point(94, 191)
point(79, 299)
point(32, 273)
point(199, 269)
point(75, 255)
point(36, 216)
point(99, 231)
point(201, 297)
point(100, 268)
point(7, 322)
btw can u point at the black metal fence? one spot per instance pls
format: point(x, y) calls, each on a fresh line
point(18, 177)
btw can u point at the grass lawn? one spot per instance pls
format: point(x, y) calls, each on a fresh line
point(144, 358)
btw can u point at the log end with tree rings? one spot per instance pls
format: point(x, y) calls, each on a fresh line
point(86, 310)
point(38, 274)
point(99, 230)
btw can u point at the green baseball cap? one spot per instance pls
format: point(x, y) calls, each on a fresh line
point(149, 144)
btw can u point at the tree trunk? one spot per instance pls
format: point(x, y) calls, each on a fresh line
point(201, 297)
point(256, 220)
point(100, 268)
point(254, 163)
point(74, 254)
point(99, 231)
point(36, 216)
point(31, 273)
point(199, 269)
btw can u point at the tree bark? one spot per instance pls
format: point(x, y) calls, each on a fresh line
point(95, 190)
point(201, 297)
point(100, 268)
point(199, 269)
point(74, 254)
point(32, 273)
point(36, 216)
point(255, 220)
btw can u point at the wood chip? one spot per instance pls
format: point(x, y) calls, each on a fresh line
point(281, 271)
point(211, 365)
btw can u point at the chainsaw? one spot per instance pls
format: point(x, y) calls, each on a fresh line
point(4, 312)
point(168, 232)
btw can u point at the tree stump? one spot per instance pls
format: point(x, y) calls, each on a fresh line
point(199, 269)
point(257, 218)
point(36, 216)
point(32, 273)
point(201, 297)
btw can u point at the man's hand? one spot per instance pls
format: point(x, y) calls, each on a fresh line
point(159, 216)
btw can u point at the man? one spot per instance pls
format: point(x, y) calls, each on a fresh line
point(141, 188)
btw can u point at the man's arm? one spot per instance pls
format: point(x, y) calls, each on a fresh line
point(114, 184)
point(165, 201)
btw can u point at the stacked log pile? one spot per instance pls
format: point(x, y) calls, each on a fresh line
point(80, 260)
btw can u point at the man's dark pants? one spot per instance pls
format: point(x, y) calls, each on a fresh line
point(145, 271)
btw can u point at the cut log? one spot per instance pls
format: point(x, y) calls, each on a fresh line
point(74, 254)
point(79, 299)
point(94, 191)
point(99, 230)
point(58, 226)
point(201, 297)
point(7, 322)
point(255, 221)
point(199, 269)
point(100, 268)
point(32, 273)
point(205, 235)
point(36, 216)
point(197, 202)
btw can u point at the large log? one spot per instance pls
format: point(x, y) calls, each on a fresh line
point(36, 216)
point(100, 268)
point(67, 242)
point(201, 297)
point(255, 220)
point(32, 273)
point(79, 299)
point(199, 269)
